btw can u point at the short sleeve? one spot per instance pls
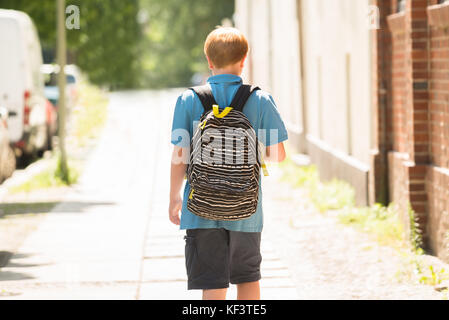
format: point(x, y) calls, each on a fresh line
point(272, 129)
point(180, 132)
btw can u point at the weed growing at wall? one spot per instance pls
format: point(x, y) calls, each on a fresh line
point(383, 223)
point(330, 195)
point(415, 230)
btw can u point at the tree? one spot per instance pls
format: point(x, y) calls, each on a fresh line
point(107, 44)
point(175, 35)
point(164, 50)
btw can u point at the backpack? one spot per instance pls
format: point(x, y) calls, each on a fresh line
point(225, 160)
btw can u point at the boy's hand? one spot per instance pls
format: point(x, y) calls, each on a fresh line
point(275, 153)
point(173, 210)
point(177, 172)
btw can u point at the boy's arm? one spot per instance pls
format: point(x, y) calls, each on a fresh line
point(273, 128)
point(177, 172)
point(275, 153)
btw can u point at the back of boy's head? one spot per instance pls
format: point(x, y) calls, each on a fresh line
point(225, 46)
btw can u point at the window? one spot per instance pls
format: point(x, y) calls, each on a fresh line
point(401, 5)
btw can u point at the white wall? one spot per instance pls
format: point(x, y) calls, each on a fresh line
point(272, 30)
point(336, 50)
point(286, 86)
point(333, 30)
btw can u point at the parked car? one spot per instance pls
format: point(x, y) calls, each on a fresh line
point(7, 156)
point(50, 73)
point(22, 83)
point(51, 113)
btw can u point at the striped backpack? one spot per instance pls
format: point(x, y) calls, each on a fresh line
point(225, 160)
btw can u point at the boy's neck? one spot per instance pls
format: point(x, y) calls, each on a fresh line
point(235, 69)
point(218, 72)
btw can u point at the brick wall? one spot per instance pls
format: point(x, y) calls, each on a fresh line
point(381, 104)
point(411, 121)
point(437, 177)
point(438, 198)
point(407, 132)
point(439, 95)
point(398, 125)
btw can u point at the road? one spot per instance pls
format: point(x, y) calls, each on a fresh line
point(110, 238)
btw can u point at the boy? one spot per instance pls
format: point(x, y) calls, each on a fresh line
point(222, 252)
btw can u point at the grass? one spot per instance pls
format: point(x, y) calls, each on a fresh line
point(298, 176)
point(22, 208)
point(331, 195)
point(432, 276)
point(382, 223)
point(48, 178)
point(415, 265)
point(90, 115)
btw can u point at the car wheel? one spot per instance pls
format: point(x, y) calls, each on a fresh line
point(8, 163)
point(49, 139)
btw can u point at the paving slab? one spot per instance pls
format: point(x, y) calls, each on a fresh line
point(110, 238)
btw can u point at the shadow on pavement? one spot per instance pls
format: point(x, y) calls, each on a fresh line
point(14, 276)
point(5, 257)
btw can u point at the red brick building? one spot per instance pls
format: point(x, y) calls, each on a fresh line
point(364, 88)
point(411, 113)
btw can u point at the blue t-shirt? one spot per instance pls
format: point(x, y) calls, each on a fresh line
point(260, 110)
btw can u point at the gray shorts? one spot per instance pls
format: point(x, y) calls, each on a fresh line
point(217, 257)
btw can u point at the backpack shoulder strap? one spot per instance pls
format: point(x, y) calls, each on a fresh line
point(206, 96)
point(242, 95)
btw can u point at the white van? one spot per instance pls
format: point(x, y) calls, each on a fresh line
point(21, 82)
point(7, 158)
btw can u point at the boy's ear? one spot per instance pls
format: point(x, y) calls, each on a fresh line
point(211, 66)
point(242, 63)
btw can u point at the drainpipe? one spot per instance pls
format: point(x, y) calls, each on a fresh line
point(299, 12)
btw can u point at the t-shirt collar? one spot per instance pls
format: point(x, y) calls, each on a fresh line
point(220, 78)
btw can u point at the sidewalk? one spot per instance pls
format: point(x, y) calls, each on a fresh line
point(111, 238)
point(164, 275)
point(329, 260)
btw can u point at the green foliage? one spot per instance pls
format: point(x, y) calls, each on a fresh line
point(415, 231)
point(164, 49)
point(107, 45)
point(382, 222)
point(433, 277)
point(43, 13)
point(299, 177)
point(90, 114)
point(333, 195)
point(175, 35)
point(51, 177)
point(328, 195)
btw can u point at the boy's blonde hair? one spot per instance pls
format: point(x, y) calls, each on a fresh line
point(225, 46)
